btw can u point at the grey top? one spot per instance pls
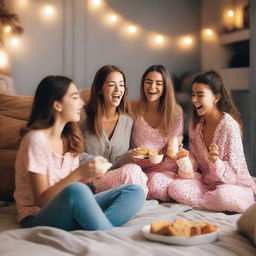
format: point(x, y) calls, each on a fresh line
point(114, 149)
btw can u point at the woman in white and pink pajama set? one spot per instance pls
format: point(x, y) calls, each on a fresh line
point(216, 145)
point(158, 116)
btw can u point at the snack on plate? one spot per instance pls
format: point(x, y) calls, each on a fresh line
point(144, 151)
point(181, 227)
point(140, 151)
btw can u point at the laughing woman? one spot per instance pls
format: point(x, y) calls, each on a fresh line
point(106, 128)
point(49, 191)
point(158, 117)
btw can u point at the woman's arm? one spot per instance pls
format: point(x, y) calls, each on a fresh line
point(43, 193)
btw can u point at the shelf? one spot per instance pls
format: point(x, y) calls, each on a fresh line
point(234, 37)
point(236, 79)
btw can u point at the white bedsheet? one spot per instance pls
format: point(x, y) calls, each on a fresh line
point(126, 240)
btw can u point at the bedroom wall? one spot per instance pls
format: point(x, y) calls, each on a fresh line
point(76, 42)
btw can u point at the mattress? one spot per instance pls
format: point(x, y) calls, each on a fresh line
point(126, 240)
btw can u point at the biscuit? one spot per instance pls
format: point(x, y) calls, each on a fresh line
point(208, 228)
point(152, 152)
point(182, 153)
point(158, 225)
point(140, 151)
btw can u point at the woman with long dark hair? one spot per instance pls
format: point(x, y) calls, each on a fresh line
point(49, 181)
point(215, 135)
point(107, 129)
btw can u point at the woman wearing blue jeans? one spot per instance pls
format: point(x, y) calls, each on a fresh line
point(50, 184)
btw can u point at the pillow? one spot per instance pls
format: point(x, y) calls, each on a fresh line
point(7, 174)
point(247, 223)
point(9, 132)
point(15, 106)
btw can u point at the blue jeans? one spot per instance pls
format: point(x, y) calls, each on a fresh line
point(76, 207)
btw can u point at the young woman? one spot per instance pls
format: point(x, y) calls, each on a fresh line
point(107, 129)
point(216, 144)
point(158, 117)
point(48, 188)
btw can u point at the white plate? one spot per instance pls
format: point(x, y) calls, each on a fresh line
point(194, 240)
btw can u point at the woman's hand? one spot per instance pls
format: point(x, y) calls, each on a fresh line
point(95, 168)
point(213, 153)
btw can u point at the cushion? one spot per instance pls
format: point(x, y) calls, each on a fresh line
point(9, 130)
point(247, 223)
point(15, 106)
point(7, 174)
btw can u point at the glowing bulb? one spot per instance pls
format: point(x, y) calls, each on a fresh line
point(187, 40)
point(159, 39)
point(8, 29)
point(112, 18)
point(96, 2)
point(15, 41)
point(49, 10)
point(3, 59)
point(231, 13)
point(132, 29)
point(208, 32)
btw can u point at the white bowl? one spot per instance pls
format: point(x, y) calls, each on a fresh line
point(156, 159)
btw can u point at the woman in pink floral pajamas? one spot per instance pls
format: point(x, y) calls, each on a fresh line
point(158, 116)
point(216, 145)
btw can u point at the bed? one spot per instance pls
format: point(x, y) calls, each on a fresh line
point(126, 240)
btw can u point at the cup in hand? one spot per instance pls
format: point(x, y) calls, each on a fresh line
point(172, 146)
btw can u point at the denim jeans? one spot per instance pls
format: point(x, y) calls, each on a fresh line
point(76, 207)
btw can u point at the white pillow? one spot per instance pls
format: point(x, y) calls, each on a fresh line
point(247, 223)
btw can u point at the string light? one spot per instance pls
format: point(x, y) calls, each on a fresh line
point(187, 40)
point(208, 32)
point(132, 29)
point(15, 41)
point(3, 59)
point(8, 29)
point(49, 10)
point(230, 13)
point(96, 2)
point(159, 39)
point(112, 18)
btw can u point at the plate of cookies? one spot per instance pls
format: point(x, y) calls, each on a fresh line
point(181, 232)
point(147, 153)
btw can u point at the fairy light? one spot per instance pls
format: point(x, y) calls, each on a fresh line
point(3, 59)
point(159, 39)
point(48, 10)
point(230, 13)
point(187, 40)
point(8, 29)
point(132, 29)
point(15, 41)
point(112, 18)
point(96, 2)
point(208, 32)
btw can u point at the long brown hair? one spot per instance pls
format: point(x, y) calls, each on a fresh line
point(95, 108)
point(49, 90)
point(225, 104)
point(168, 107)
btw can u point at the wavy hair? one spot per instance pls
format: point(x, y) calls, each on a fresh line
point(225, 104)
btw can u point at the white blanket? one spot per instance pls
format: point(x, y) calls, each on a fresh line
point(126, 240)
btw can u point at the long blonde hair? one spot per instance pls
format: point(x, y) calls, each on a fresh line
point(168, 107)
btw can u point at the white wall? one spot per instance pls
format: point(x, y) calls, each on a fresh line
point(77, 43)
